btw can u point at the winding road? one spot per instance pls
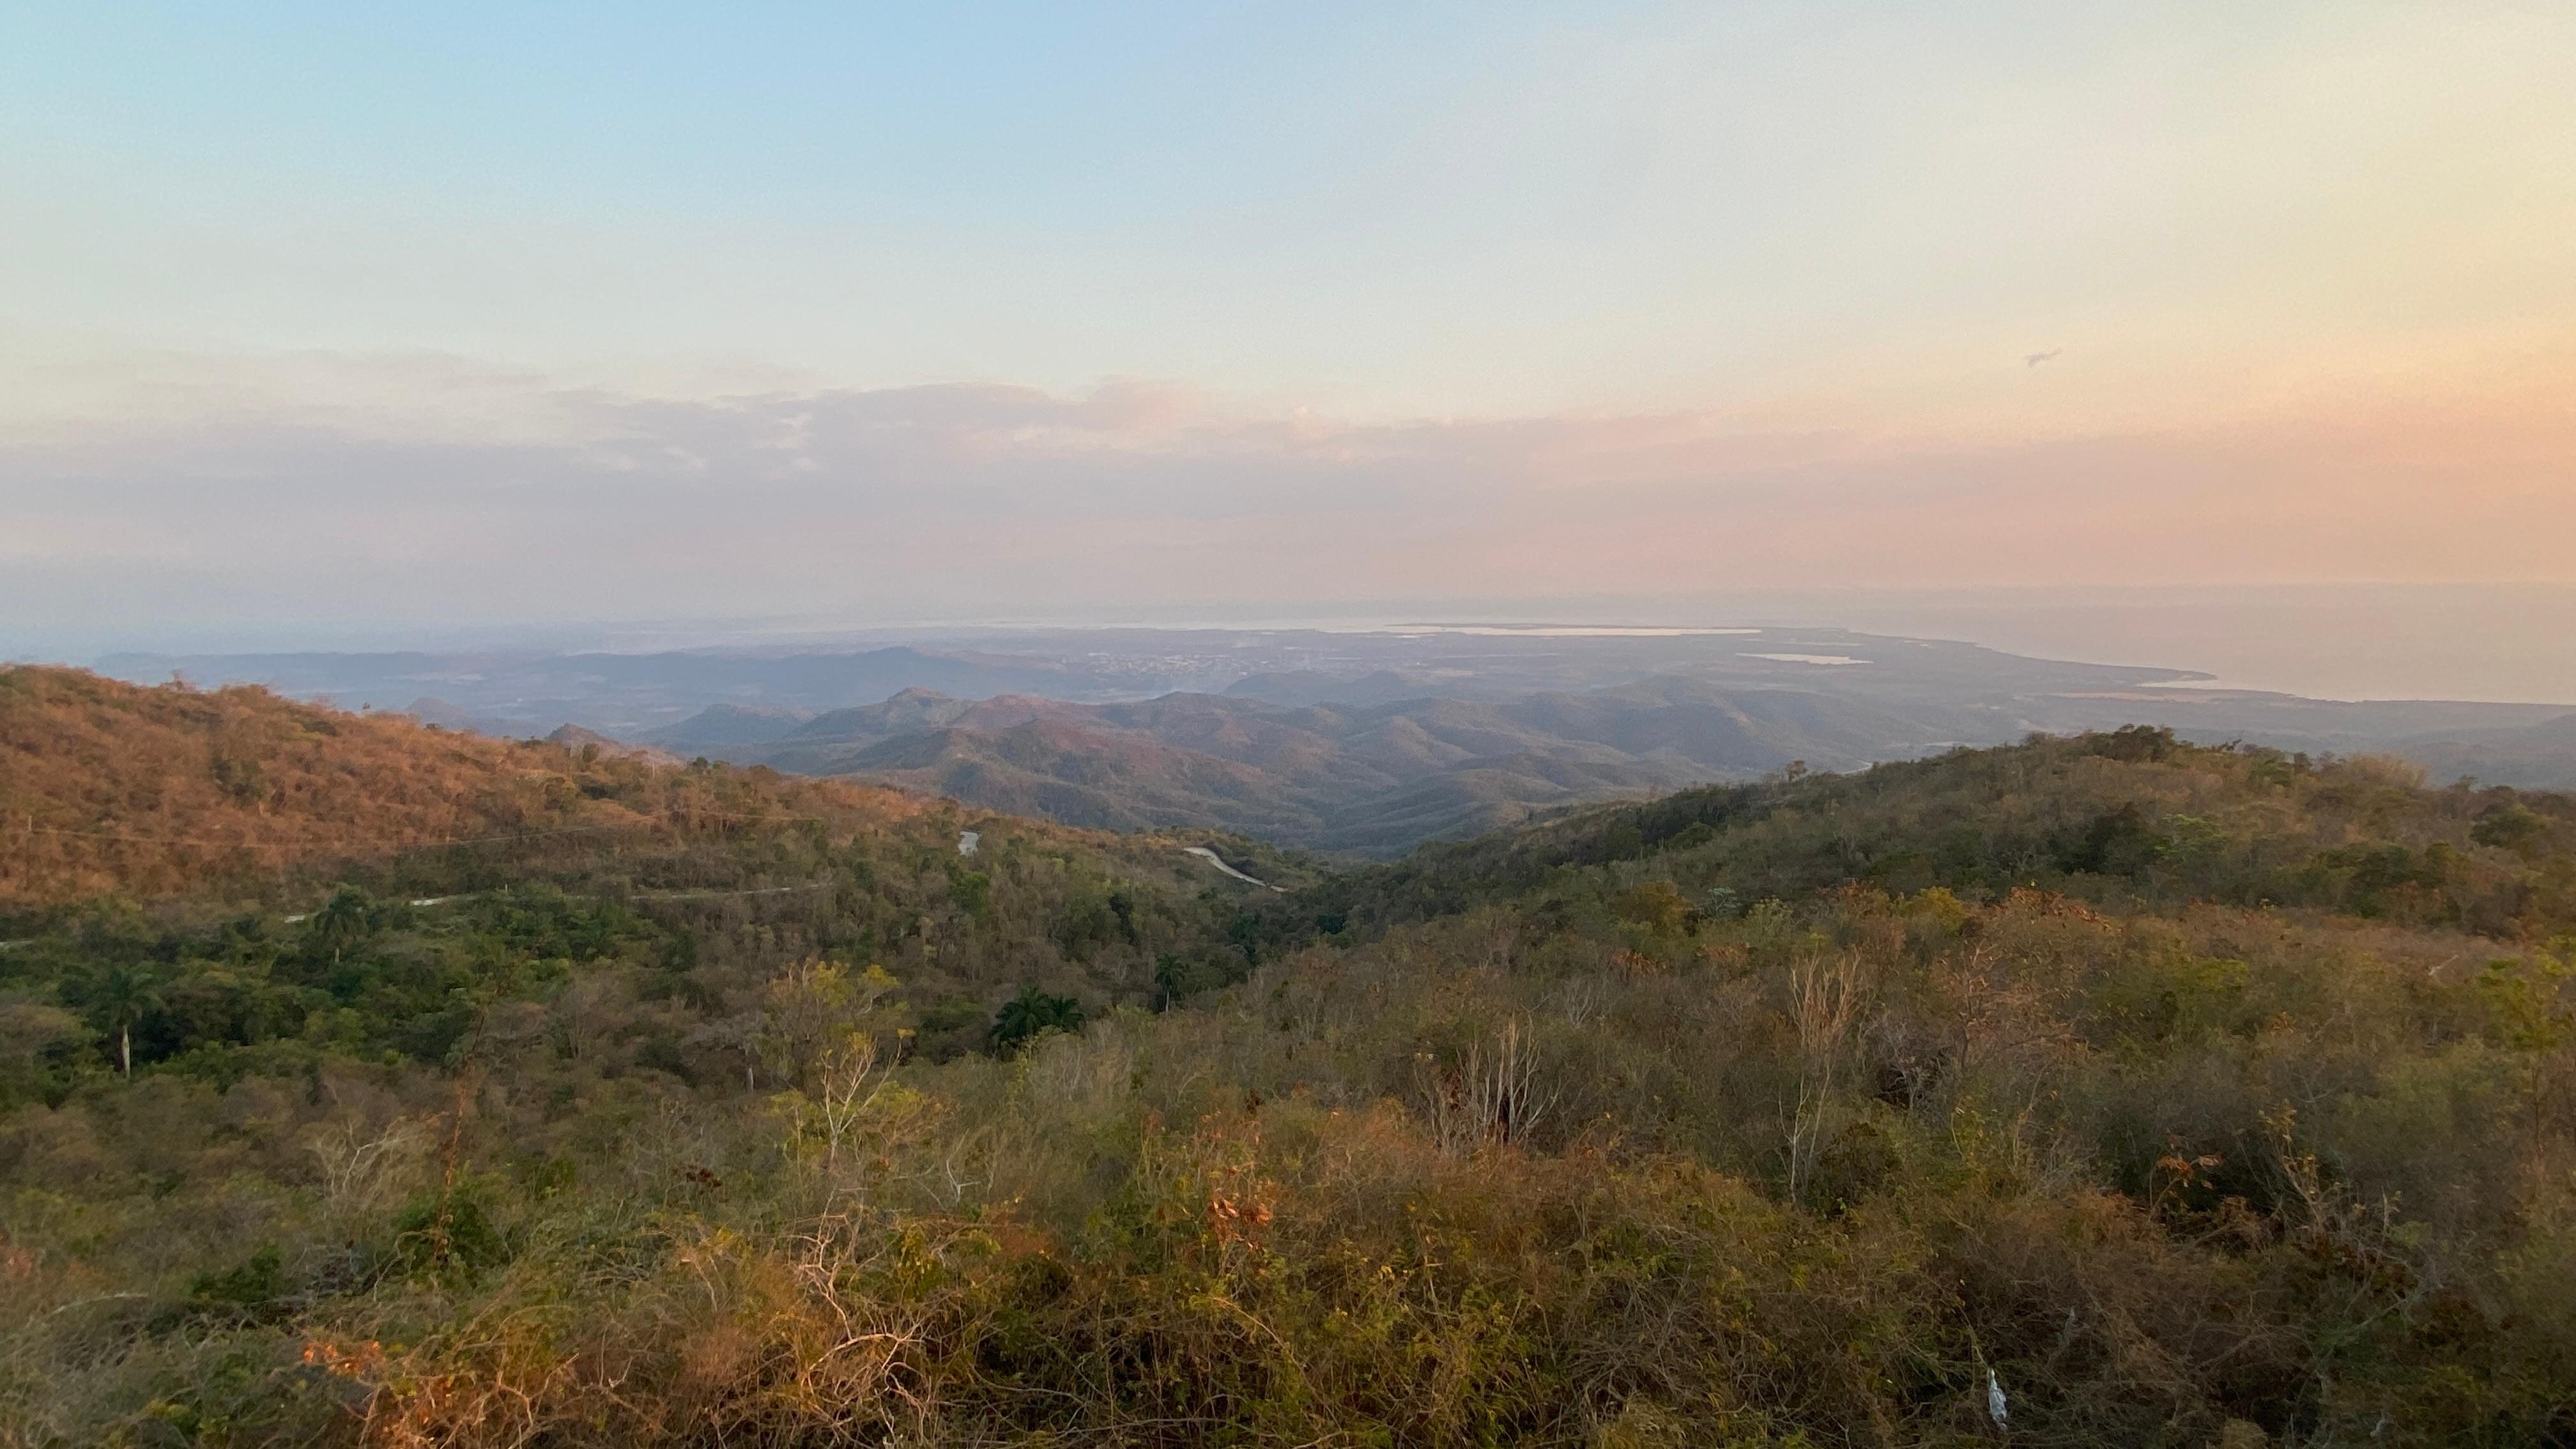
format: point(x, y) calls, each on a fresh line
point(1212, 858)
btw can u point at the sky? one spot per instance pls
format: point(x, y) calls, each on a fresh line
point(400, 317)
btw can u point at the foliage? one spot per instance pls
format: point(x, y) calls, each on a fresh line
point(2133, 817)
point(1032, 1013)
point(2167, 1085)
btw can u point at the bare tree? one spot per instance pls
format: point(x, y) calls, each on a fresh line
point(1494, 1097)
point(1824, 1001)
point(847, 1089)
point(358, 1165)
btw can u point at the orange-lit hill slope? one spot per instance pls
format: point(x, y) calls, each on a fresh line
point(109, 788)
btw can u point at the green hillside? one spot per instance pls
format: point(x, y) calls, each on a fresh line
point(2174, 1095)
point(2126, 819)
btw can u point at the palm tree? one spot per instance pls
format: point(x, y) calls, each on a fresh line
point(123, 993)
point(346, 920)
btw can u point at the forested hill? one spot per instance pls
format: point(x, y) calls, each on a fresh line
point(176, 862)
point(2100, 1090)
point(2124, 819)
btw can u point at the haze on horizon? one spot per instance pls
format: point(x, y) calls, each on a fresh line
point(503, 315)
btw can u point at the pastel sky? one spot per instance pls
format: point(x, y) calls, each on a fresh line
point(555, 311)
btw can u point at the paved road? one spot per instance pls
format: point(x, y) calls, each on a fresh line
point(1212, 858)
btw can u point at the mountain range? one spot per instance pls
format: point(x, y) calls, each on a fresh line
point(1364, 742)
point(1367, 777)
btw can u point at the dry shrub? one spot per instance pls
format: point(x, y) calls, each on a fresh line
point(146, 793)
point(1494, 1097)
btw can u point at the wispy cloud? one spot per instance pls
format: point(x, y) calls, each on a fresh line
point(403, 490)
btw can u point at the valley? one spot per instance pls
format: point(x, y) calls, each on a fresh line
point(1363, 743)
point(365, 1083)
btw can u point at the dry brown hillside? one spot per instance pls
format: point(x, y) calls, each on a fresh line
point(112, 788)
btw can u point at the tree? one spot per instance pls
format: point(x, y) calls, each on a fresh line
point(812, 1005)
point(349, 918)
point(120, 996)
point(2527, 997)
point(2510, 826)
point(1655, 905)
point(1032, 1014)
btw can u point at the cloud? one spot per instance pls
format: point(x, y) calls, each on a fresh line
point(407, 489)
